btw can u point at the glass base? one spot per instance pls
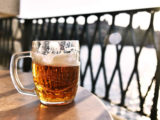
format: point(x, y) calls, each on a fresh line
point(56, 103)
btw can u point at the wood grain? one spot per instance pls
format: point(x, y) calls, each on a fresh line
point(15, 106)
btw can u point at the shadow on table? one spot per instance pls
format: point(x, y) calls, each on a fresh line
point(5, 75)
point(8, 93)
point(11, 92)
point(35, 110)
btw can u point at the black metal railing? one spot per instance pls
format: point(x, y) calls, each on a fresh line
point(89, 35)
point(6, 41)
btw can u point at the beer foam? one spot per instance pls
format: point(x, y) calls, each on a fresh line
point(69, 59)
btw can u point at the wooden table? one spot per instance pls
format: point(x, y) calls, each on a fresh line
point(15, 106)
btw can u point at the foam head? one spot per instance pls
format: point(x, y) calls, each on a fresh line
point(63, 59)
point(56, 53)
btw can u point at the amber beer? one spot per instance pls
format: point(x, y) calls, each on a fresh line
point(55, 69)
point(55, 83)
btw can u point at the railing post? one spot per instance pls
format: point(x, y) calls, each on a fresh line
point(154, 108)
point(26, 43)
point(156, 93)
point(153, 114)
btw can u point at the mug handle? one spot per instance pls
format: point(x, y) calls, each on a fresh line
point(14, 75)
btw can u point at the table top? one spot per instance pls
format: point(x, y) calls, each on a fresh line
point(15, 106)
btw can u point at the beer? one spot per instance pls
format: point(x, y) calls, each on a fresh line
point(55, 83)
point(55, 69)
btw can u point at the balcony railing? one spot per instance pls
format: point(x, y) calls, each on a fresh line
point(98, 34)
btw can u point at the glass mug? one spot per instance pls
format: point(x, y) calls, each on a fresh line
point(55, 69)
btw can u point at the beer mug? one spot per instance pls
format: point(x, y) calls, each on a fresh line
point(55, 69)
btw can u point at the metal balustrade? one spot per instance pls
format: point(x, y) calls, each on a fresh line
point(97, 33)
point(6, 41)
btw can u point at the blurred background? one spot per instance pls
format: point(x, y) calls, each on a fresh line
point(120, 47)
point(48, 8)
